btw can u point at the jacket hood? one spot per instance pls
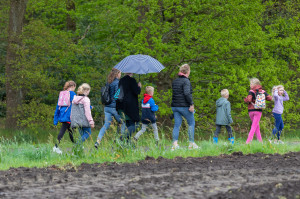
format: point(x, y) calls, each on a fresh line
point(182, 74)
point(77, 99)
point(221, 101)
point(257, 88)
point(146, 98)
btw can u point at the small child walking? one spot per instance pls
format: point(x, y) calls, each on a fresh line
point(148, 113)
point(278, 92)
point(81, 116)
point(63, 112)
point(254, 111)
point(223, 116)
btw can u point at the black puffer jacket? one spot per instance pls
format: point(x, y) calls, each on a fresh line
point(182, 92)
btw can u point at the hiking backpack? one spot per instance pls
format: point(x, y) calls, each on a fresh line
point(64, 98)
point(260, 100)
point(105, 97)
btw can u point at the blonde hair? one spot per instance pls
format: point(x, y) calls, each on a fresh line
point(224, 93)
point(113, 75)
point(148, 89)
point(280, 86)
point(277, 87)
point(69, 84)
point(82, 88)
point(254, 81)
point(185, 68)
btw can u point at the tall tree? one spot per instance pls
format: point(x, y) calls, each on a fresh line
point(71, 23)
point(13, 92)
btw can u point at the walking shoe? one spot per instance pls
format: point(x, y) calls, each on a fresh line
point(215, 140)
point(57, 150)
point(193, 145)
point(231, 140)
point(175, 147)
point(270, 141)
point(280, 142)
point(97, 144)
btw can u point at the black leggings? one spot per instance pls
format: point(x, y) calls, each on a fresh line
point(65, 126)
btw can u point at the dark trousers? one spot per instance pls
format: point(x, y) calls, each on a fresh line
point(65, 126)
point(218, 130)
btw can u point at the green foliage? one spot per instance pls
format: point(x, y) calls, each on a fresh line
point(225, 42)
point(36, 116)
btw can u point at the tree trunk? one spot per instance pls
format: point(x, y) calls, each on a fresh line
point(71, 24)
point(13, 92)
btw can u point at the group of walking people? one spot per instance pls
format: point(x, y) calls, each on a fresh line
point(74, 110)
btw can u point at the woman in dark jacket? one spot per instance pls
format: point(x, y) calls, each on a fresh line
point(110, 111)
point(129, 107)
point(183, 106)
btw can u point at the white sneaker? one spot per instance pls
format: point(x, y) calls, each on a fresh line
point(57, 150)
point(270, 141)
point(175, 147)
point(280, 142)
point(193, 145)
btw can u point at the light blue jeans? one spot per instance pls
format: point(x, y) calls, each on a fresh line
point(180, 112)
point(85, 133)
point(110, 113)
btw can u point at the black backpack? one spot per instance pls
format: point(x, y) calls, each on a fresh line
point(105, 97)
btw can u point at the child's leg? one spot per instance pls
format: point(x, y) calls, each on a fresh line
point(71, 133)
point(218, 129)
point(144, 127)
point(257, 133)
point(154, 126)
point(62, 131)
point(85, 133)
point(255, 117)
point(280, 128)
point(229, 131)
point(277, 124)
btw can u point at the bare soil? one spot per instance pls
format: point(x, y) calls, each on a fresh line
point(226, 176)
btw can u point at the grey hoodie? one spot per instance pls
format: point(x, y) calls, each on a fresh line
point(223, 112)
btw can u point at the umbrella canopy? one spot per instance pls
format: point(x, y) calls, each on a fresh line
point(139, 64)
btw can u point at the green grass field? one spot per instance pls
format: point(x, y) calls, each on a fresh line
point(28, 149)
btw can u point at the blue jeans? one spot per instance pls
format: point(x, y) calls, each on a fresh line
point(180, 112)
point(278, 125)
point(85, 133)
point(110, 113)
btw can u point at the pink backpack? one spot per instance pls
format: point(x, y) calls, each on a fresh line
point(64, 98)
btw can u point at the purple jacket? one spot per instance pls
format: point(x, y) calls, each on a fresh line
point(278, 100)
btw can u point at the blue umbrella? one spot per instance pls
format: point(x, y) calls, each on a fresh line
point(139, 64)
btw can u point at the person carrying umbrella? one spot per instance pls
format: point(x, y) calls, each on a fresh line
point(128, 108)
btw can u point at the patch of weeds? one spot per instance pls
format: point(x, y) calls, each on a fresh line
point(37, 154)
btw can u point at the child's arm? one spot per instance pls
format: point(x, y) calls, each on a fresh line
point(286, 96)
point(275, 94)
point(87, 111)
point(228, 109)
point(56, 114)
point(249, 98)
point(153, 106)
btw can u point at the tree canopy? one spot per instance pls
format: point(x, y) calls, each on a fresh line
point(224, 42)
